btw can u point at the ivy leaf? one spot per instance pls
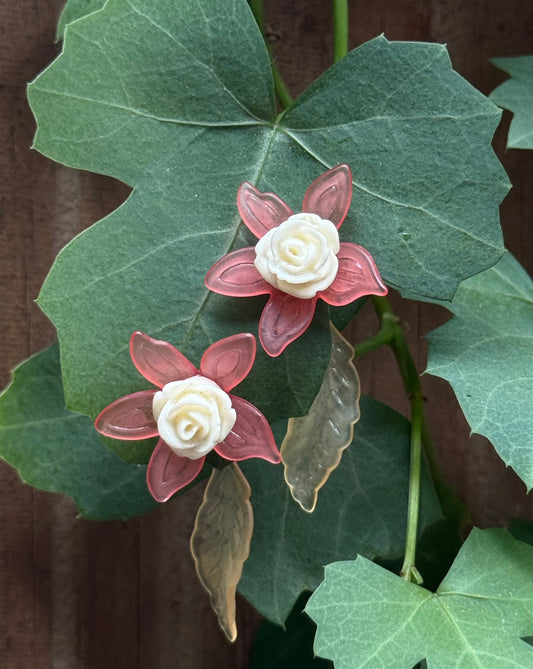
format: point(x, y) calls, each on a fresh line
point(516, 95)
point(176, 100)
point(485, 352)
point(362, 509)
point(74, 10)
point(57, 450)
point(368, 618)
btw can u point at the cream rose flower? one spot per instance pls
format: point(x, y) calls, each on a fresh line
point(193, 416)
point(299, 256)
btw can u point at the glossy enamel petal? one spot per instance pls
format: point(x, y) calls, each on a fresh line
point(330, 195)
point(229, 361)
point(167, 472)
point(251, 436)
point(158, 361)
point(283, 320)
point(357, 276)
point(235, 275)
point(129, 418)
point(261, 211)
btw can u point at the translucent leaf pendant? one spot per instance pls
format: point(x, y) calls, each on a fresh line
point(313, 445)
point(220, 542)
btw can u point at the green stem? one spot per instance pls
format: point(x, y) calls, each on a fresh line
point(383, 337)
point(391, 333)
point(409, 571)
point(280, 88)
point(340, 29)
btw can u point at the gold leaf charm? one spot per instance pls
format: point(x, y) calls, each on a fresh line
point(313, 445)
point(220, 542)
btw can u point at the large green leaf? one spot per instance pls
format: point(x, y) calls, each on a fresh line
point(55, 449)
point(361, 509)
point(486, 353)
point(369, 618)
point(176, 100)
point(516, 95)
point(74, 10)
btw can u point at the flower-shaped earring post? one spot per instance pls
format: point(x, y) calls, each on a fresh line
point(298, 258)
point(193, 413)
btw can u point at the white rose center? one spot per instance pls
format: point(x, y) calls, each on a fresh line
point(193, 416)
point(299, 256)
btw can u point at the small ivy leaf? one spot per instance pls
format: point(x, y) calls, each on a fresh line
point(57, 450)
point(367, 617)
point(314, 443)
point(485, 352)
point(220, 543)
point(516, 95)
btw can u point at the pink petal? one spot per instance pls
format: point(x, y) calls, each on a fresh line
point(236, 275)
point(357, 276)
point(330, 195)
point(229, 361)
point(261, 211)
point(283, 320)
point(167, 472)
point(129, 417)
point(251, 436)
point(158, 361)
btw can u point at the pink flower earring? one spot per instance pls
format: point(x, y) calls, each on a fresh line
point(192, 413)
point(298, 258)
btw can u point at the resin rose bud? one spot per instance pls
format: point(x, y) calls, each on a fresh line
point(193, 416)
point(299, 256)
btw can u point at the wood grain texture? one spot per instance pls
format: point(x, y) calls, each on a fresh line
point(80, 595)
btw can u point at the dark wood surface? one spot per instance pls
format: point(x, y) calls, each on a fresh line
point(76, 594)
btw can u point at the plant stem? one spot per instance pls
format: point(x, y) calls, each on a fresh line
point(452, 507)
point(281, 90)
point(391, 333)
point(414, 391)
point(340, 29)
point(383, 337)
point(409, 571)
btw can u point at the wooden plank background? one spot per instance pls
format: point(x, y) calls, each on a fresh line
point(76, 594)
